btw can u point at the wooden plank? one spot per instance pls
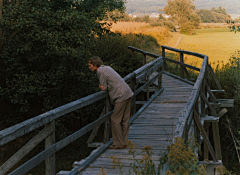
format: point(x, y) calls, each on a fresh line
point(164, 131)
point(146, 84)
point(214, 77)
point(209, 105)
point(183, 51)
point(175, 76)
point(144, 106)
point(209, 119)
point(49, 141)
point(95, 130)
point(148, 72)
point(216, 139)
point(27, 126)
point(94, 156)
point(205, 137)
point(57, 146)
point(143, 52)
point(25, 150)
point(226, 103)
point(183, 64)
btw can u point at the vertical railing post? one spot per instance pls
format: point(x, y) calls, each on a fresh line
point(196, 130)
point(163, 57)
point(133, 87)
point(107, 130)
point(133, 53)
point(203, 114)
point(181, 67)
point(50, 161)
point(144, 59)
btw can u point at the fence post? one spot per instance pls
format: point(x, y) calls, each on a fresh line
point(107, 130)
point(196, 130)
point(133, 87)
point(163, 57)
point(50, 161)
point(144, 59)
point(181, 67)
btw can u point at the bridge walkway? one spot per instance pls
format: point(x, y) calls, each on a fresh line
point(154, 127)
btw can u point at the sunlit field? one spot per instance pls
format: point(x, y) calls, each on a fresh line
point(214, 40)
point(217, 43)
point(161, 34)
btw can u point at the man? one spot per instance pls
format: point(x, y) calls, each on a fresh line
point(120, 95)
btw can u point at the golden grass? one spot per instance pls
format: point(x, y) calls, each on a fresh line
point(217, 43)
point(159, 33)
point(213, 40)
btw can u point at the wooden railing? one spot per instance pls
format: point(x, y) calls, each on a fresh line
point(48, 121)
point(195, 113)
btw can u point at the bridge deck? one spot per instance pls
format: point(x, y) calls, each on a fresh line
point(152, 128)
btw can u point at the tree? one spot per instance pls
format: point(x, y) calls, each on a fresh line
point(183, 12)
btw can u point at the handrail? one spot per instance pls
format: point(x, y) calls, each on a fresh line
point(47, 119)
point(198, 94)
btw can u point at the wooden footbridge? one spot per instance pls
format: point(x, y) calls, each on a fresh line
point(169, 106)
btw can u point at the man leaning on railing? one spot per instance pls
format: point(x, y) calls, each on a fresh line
point(120, 95)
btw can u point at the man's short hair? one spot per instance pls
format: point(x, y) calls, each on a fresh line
point(95, 61)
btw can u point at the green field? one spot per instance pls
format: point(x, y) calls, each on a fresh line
point(217, 43)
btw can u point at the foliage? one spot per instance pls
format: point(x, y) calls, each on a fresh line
point(43, 62)
point(183, 12)
point(145, 166)
point(214, 15)
point(182, 158)
point(144, 7)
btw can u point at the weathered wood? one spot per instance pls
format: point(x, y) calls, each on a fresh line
point(226, 103)
point(182, 64)
point(25, 149)
point(205, 137)
point(90, 160)
point(222, 112)
point(208, 104)
point(215, 77)
point(205, 147)
point(57, 146)
point(27, 126)
point(144, 106)
point(49, 141)
point(95, 130)
point(143, 52)
point(146, 84)
point(181, 67)
point(107, 130)
point(185, 52)
point(216, 139)
point(133, 102)
point(175, 76)
point(211, 95)
point(144, 59)
point(144, 75)
point(209, 119)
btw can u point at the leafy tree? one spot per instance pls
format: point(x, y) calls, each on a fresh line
point(183, 12)
point(43, 53)
point(214, 15)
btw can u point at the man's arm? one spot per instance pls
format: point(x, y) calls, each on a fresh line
point(103, 82)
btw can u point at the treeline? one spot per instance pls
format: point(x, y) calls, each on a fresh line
point(145, 7)
point(214, 15)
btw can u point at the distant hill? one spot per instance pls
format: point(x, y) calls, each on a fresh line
point(152, 6)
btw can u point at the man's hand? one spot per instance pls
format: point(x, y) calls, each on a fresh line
point(101, 87)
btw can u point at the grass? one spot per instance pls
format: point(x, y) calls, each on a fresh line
point(217, 43)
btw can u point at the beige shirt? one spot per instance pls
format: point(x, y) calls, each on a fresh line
point(117, 88)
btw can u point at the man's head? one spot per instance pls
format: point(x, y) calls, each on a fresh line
point(94, 63)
